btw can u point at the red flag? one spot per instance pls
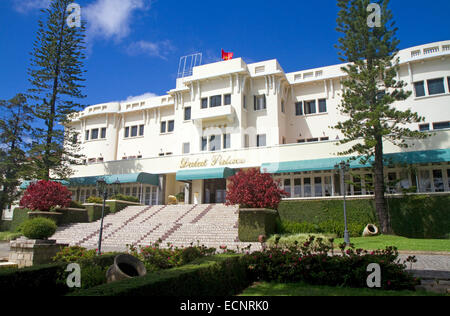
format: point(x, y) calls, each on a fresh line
point(227, 56)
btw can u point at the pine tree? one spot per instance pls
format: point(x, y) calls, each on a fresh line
point(14, 133)
point(371, 90)
point(56, 76)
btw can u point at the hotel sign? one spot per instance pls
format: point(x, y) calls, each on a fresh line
point(214, 161)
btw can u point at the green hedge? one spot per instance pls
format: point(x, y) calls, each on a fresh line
point(117, 206)
point(94, 211)
point(414, 216)
point(213, 276)
point(256, 222)
point(421, 216)
point(5, 226)
point(19, 216)
point(48, 280)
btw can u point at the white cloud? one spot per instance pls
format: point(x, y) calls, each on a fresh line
point(111, 19)
point(25, 6)
point(152, 49)
point(147, 95)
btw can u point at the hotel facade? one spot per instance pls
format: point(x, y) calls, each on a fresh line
point(230, 115)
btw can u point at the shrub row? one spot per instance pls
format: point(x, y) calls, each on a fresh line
point(327, 227)
point(413, 216)
point(221, 275)
point(50, 280)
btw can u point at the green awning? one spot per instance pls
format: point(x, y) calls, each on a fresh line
point(27, 183)
point(144, 178)
point(417, 157)
point(204, 174)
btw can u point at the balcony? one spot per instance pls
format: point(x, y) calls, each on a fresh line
point(219, 113)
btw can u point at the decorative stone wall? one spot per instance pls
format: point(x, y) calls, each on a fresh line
point(28, 252)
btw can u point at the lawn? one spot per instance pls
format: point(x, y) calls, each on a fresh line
point(299, 289)
point(402, 243)
point(8, 236)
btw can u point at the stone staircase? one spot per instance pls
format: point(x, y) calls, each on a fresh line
point(178, 225)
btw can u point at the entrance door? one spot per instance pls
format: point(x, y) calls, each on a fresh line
point(215, 191)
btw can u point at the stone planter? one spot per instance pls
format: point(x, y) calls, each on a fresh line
point(256, 222)
point(370, 231)
point(94, 211)
point(125, 267)
point(29, 252)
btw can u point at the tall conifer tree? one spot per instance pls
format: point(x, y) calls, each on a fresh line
point(371, 90)
point(15, 128)
point(56, 76)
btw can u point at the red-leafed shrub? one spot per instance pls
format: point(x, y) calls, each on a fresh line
point(253, 189)
point(45, 195)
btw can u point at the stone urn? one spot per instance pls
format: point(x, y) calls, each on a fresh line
point(370, 231)
point(125, 267)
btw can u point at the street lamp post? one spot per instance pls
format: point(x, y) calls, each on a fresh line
point(343, 167)
point(102, 188)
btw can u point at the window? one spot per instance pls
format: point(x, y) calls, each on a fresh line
point(171, 126)
point(204, 143)
point(227, 99)
point(312, 140)
point(322, 106)
point(424, 127)
point(419, 87)
point(103, 133)
point(369, 184)
point(245, 102)
point(282, 106)
point(328, 185)
point(324, 139)
point(357, 187)
point(187, 113)
point(284, 140)
point(87, 135)
point(214, 143)
point(94, 134)
point(141, 130)
point(448, 84)
point(186, 148)
point(75, 138)
point(436, 86)
point(441, 125)
point(287, 187)
point(318, 186)
point(226, 141)
point(424, 181)
point(127, 132)
point(204, 103)
point(163, 127)
point(297, 187)
point(438, 181)
point(215, 101)
point(307, 187)
point(134, 131)
point(299, 108)
point(301, 141)
point(246, 141)
point(260, 102)
point(310, 107)
point(261, 140)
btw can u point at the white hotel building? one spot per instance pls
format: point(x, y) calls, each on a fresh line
point(231, 115)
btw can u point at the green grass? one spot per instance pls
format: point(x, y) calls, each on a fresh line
point(8, 236)
point(402, 243)
point(299, 289)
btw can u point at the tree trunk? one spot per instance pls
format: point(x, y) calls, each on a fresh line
point(380, 201)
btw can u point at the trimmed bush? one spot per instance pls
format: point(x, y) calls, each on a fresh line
point(95, 200)
point(121, 197)
point(117, 206)
point(20, 215)
point(95, 211)
point(213, 276)
point(38, 228)
point(75, 204)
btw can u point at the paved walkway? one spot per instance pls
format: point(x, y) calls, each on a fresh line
point(4, 250)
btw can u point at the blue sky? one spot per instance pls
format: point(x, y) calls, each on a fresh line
point(135, 45)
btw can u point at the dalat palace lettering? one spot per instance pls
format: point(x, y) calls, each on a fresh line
point(217, 160)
